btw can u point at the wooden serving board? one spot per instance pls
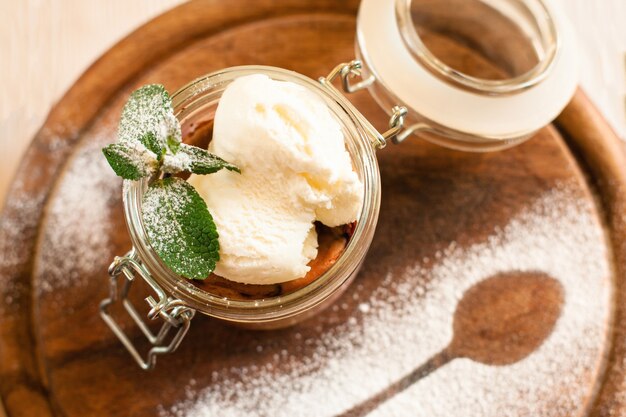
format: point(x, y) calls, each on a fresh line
point(495, 281)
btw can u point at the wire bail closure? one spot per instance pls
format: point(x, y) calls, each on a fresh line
point(173, 312)
point(348, 71)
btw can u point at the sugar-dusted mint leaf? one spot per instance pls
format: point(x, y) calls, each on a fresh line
point(173, 164)
point(180, 228)
point(173, 144)
point(151, 142)
point(201, 161)
point(195, 160)
point(130, 161)
point(148, 117)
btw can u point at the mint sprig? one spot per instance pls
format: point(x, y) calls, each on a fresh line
point(176, 218)
point(180, 227)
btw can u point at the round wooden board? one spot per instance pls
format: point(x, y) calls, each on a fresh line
point(542, 220)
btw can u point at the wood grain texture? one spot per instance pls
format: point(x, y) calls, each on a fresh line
point(603, 155)
point(58, 358)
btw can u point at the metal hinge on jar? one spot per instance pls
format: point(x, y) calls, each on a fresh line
point(348, 71)
point(172, 311)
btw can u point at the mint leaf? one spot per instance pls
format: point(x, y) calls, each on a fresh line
point(173, 144)
point(200, 161)
point(130, 161)
point(152, 143)
point(148, 117)
point(180, 228)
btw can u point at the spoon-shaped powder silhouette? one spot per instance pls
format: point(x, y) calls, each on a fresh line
point(498, 321)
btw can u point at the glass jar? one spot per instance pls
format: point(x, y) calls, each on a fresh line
point(527, 49)
point(424, 95)
point(177, 299)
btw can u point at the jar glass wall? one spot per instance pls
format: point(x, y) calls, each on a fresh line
point(198, 101)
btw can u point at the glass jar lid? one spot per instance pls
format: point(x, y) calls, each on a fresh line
point(524, 74)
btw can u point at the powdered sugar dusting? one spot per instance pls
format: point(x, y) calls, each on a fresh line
point(16, 232)
point(408, 319)
point(21, 215)
point(149, 111)
point(75, 245)
point(176, 163)
point(140, 157)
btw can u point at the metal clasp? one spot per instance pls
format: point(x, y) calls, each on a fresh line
point(348, 71)
point(173, 312)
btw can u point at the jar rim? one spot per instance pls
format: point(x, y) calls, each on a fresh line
point(277, 307)
point(549, 38)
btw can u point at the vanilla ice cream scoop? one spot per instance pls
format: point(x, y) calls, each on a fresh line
point(295, 170)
